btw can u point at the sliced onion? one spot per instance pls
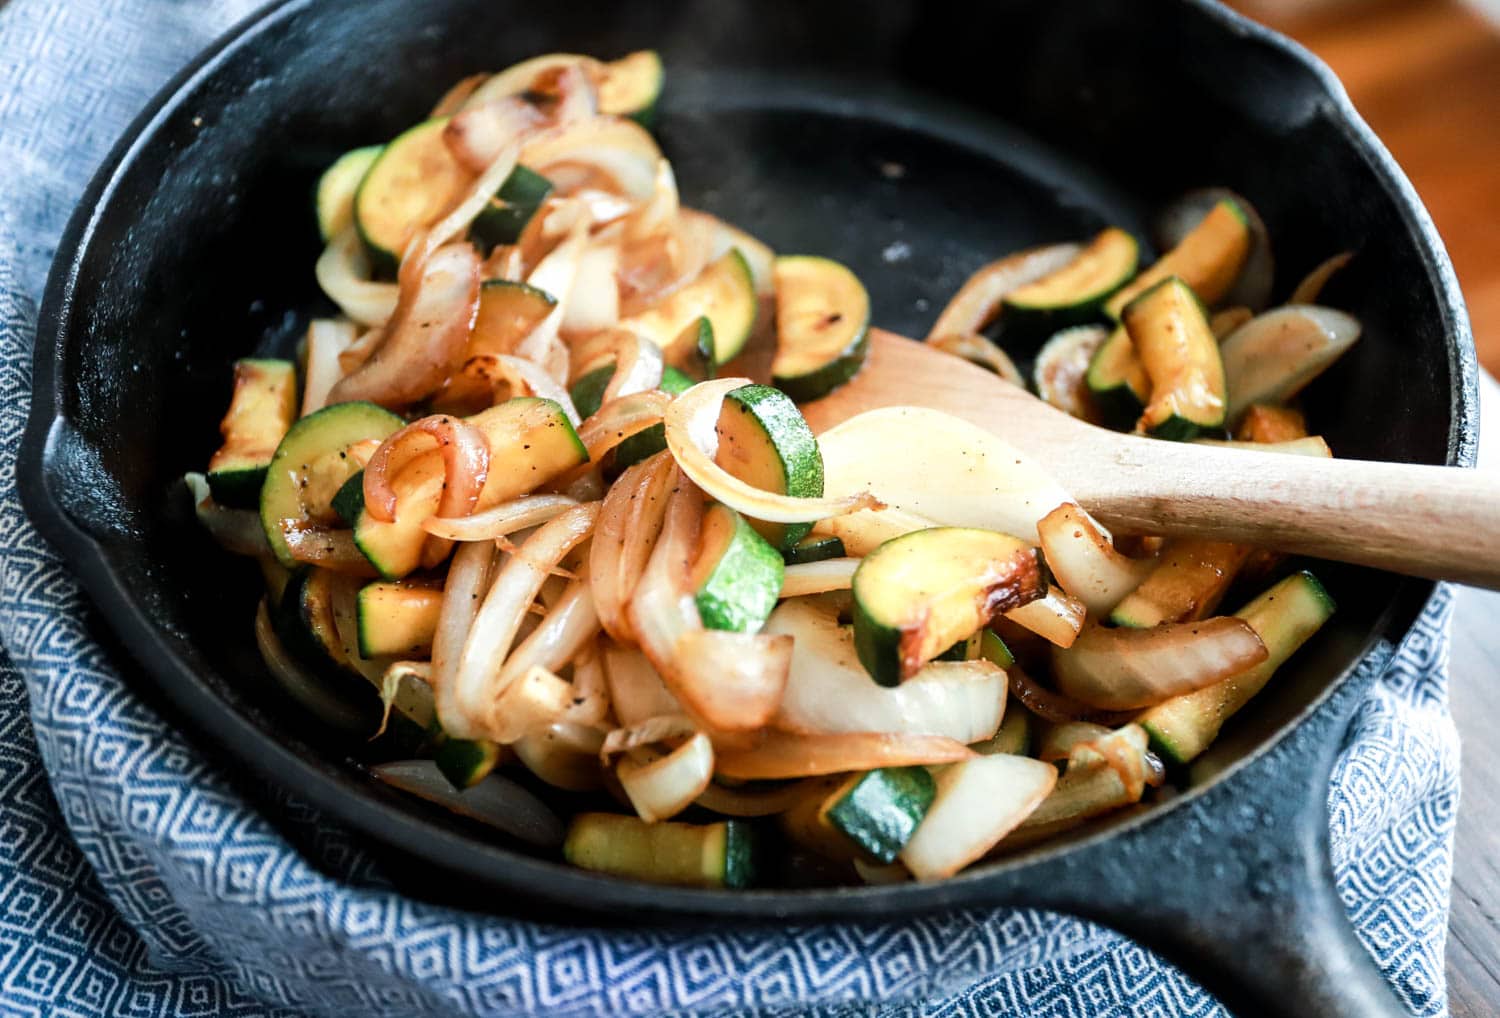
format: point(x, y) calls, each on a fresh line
point(494, 801)
point(733, 681)
point(742, 802)
point(621, 418)
point(1225, 321)
point(636, 690)
point(1082, 556)
point(976, 349)
point(494, 628)
point(1052, 706)
point(638, 366)
point(654, 267)
point(1092, 785)
point(406, 686)
point(628, 528)
point(478, 198)
point(525, 375)
point(806, 578)
point(977, 302)
point(529, 702)
point(501, 521)
point(359, 351)
point(466, 465)
point(978, 802)
point(302, 685)
point(591, 704)
point(619, 148)
point(646, 732)
point(555, 275)
point(426, 336)
point(477, 136)
point(557, 756)
point(1124, 750)
point(594, 300)
point(237, 531)
point(468, 578)
point(1058, 741)
point(868, 529)
point(1122, 669)
point(454, 99)
point(664, 787)
point(1057, 618)
point(1311, 288)
point(325, 547)
point(784, 755)
point(568, 626)
point(829, 691)
point(326, 339)
point(692, 436)
point(658, 213)
point(877, 875)
point(343, 272)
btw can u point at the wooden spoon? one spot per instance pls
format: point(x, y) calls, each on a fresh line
point(1437, 522)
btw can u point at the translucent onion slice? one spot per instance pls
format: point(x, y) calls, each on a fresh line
point(478, 197)
point(568, 626)
point(1054, 707)
point(591, 704)
point(476, 684)
point(476, 136)
point(620, 418)
point(237, 531)
point(523, 376)
point(977, 302)
point(1082, 556)
point(564, 755)
point(638, 366)
point(818, 577)
point(1123, 669)
point(665, 786)
point(976, 349)
point(659, 212)
point(733, 681)
point(784, 755)
point(594, 300)
point(304, 687)
point(501, 521)
point(466, 465)
point(646, 732)
point(1058, 618)
point(495, 801)
point(636, 690)
point(978, 802)
point(1058, 741)
point(629, 525)
point(326, 339)
point(326, 547)
point(468, 578)
point(529, 702)
point(742, 802)
point(1311, 288)
point(692, 436)
point(343, 273)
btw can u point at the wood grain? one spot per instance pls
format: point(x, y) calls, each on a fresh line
point(1421, 520)
point(1426, 75)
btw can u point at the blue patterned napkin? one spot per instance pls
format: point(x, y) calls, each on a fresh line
point(135, 881)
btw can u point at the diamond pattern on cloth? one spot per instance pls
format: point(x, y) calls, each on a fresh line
point(135, 880)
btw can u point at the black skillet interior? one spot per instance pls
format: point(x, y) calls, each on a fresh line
point(912, 141)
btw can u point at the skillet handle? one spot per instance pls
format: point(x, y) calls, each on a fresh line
point(1237, 888)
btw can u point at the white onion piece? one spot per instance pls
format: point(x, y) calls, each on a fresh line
point(659, 212)
point(602, 206)
point(574, 96)
point(877, 875)
point(742, 802)
point(1275, 355)
point(818, 577)
point(564, 755)
point(758, 256)
point(326, 547)
point(1311, 288)
point(939, 467)
point(594, 300)
point(638, 366)
point(494, 628)
point(644, 733)
point(828, 690)
point(504, 519)
point(1058, 741)
point(495, 801)
point(660, 612)
point(1057, 618)
point(468, 577)
point(621, 418)
point(479, 195)
point(976, 349)
point(476, 136)
point(1082, 556)
point(615, 146)
point(692, 436)
point(868, 529)
point(591, 703)
point(326, 339)
point(978, 802)
point(304, 687)
point(1054, 707)
point(636, 690)
point(555, 274)
point(529, 702)
point(666, 786)
point(733, 681)
point(237, 531)
point(977, 302)
point(520, 372)
point(784, 755)
point(567, 627)
point(343, 273)
point(1123, 669)
point(629, 525)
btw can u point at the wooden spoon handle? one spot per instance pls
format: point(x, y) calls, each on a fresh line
point(1438, 522)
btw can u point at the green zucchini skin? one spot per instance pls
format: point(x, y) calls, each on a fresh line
point(739, 591)
point(1113, 255)
point(1117, 382)
point(880, 810)
point(723, 854)
point(466, 762)
point(822, 326)
point(776, 450)
point(1168, 326)
point(519, 197)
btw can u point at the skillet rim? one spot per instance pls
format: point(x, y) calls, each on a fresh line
point(347, 796)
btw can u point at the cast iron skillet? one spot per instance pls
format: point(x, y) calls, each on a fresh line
point(911, 140)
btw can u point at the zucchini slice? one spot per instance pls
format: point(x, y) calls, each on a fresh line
point(531, 441)
point(466, 762)
point(1073, 294)
point(765, 442)
point(1187, 583)
point(1013, 737)
point(1117, 383)
point(1252, 286)
point(305, 623)
point(1123, 669)
point(693, 855)
point(879, 810)
point(632, 85)
point(724, 293)
point(397, 619)
point(410, 185)
point(1208, 259)
point(822, 326)
point(508, 312)
point(314, 445)
point(814, 548)
point(918, 594)
point(1274, 356)
point(588, 395)
point(261, 411)
point(1169, 329)
point(978, 802)
point(506, 215)
point(1062, 367)
point(1284, 617)
point(737, 578)
point(337, 187)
